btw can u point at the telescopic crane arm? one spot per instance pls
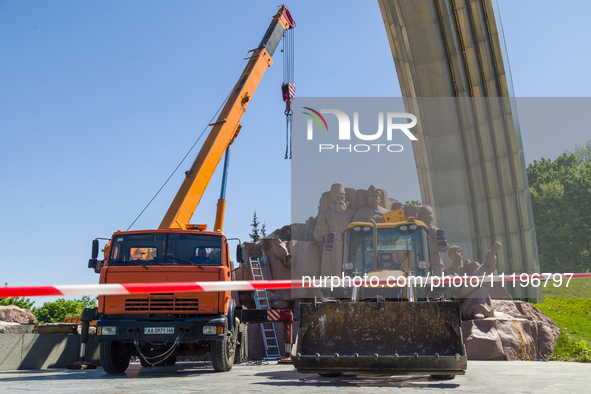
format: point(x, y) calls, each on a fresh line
point(226, 128)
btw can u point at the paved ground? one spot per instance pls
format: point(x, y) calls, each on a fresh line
point(485, 376)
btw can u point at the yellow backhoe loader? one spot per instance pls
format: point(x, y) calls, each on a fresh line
point(398, 328)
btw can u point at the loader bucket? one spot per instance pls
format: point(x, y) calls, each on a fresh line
point(396, 338)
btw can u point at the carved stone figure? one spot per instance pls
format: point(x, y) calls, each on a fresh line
point(372, 210)
point(412, 210)
point(426, 216)
point(476, 303)
point(334, 219)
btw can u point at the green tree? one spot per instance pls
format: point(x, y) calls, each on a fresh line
point(413, 202)
point(255, 234)
point(583, 152)
point(561, 202)
point(55, 312)
point(21, 302)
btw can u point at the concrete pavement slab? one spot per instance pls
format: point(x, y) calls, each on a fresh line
point(190, 377)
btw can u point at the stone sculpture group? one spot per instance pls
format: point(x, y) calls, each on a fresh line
point(493, 327)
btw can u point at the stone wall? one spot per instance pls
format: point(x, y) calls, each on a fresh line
point(41, 351)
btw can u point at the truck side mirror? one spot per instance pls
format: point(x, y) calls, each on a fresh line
point(95, 248)
point(239, 253)
point(440, 233)
point(329, 242)
point(92, 263)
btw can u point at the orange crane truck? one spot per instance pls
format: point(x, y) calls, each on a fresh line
point(158, 327)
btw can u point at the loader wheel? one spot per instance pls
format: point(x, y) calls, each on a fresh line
point(443, 377)
point(114, 357)
point(330, 375)
point(222, 352)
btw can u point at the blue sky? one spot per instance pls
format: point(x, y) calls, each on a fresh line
point(99, 101)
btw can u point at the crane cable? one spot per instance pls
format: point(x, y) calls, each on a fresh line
point(288, 86)
point(177, 167)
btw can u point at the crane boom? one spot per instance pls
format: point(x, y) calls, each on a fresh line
point(226, 128)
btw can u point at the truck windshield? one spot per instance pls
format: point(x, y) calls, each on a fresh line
point(166, 249)
point(399, 248)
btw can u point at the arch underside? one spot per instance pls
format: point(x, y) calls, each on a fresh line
point(454, 76)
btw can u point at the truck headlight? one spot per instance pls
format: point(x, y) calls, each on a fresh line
point(210, 330)
point(108, 330)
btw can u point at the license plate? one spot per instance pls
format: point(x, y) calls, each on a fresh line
point(158, 330)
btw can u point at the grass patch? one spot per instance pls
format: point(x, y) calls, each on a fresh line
point(573, 316)
point(577, 288)
point(567, 349)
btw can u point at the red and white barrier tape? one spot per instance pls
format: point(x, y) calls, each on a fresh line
point(186, 287)
point(144, 288)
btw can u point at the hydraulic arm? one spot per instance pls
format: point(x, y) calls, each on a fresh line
point(226, 128)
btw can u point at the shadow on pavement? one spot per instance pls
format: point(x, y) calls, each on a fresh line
point(294, 378)
point(135, 371)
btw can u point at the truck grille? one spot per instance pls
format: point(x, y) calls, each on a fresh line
point(153, 305)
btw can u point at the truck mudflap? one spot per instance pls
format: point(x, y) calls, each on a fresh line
point(381, 337)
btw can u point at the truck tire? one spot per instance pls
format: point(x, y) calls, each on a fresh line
point(222, 352)
point(114, 357)
point(443, 377)
point(241, 354)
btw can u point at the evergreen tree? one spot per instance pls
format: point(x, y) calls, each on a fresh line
point(255, 235)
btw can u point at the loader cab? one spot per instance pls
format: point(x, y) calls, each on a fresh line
point(401, 247)
point(394, 248)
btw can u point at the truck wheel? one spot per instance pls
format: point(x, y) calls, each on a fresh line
point(222, 352)
point(114, 357)
point(241, 354)
point(443, 377)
